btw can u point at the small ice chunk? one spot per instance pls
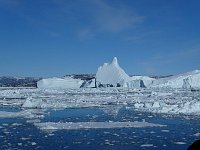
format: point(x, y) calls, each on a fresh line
point(197, 134)
point(180, 143)
point(32, 103)
point(148, 105)
point(33, 143)
point(138, 105)
point(165, 130)
point(146, 145)
point(156, 105)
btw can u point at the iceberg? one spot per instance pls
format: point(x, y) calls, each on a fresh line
point(60, 83)
point(112, 75)
point(187, 80)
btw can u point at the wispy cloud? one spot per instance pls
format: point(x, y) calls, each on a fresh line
point(174, 59)
point(99, 16)
point(54, 34)
point(89, 17)
point(112, 18)
point(85, 34)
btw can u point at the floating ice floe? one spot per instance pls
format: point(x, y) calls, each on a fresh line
point(146, 145)
point(5, 114)
point(32, 103)
point(29, 114)
point(93, 125)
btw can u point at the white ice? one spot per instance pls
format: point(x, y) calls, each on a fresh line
point(93, 125)
point(29, 114)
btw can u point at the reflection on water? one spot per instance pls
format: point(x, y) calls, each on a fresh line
point(20, 133)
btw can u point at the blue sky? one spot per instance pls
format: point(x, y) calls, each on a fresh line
point(57, 37)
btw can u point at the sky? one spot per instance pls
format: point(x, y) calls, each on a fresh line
point(47, 38)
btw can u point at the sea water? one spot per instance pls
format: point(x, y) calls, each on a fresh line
point(21, 133)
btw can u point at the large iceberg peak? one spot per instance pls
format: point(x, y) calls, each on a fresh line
point(114, 61)
point(111, 74)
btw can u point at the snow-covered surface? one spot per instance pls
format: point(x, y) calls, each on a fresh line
point(93, 125)
point(59, 83)
point(151, 100)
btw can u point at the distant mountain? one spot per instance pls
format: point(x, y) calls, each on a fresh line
point(7, 81)
point(82, 76)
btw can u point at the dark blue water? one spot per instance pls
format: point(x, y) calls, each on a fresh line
point(180, 131)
